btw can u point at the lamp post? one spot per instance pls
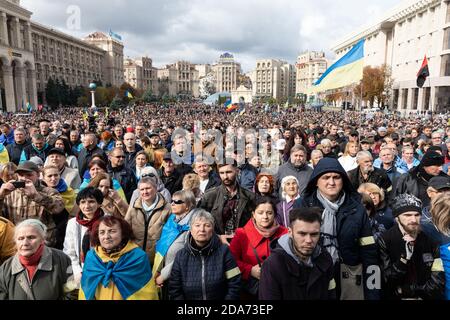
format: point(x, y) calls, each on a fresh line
point(93, 86)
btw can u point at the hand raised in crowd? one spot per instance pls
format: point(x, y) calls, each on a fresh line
point(7, 188)
point(29, 190)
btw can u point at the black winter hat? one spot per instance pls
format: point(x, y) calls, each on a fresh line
point(404, 203)
point(432, 158)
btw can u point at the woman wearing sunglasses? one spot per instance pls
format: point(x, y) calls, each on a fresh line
point(173, 237)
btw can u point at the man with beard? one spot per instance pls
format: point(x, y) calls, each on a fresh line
point(297, 167)
point(366, 172)
point(230, 205)
point(412, 268)
point(298, 268)
point(416, 181)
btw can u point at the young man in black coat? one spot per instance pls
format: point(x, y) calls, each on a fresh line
point(298, 267)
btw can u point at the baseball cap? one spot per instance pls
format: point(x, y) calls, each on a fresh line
point(27, 166)
point(354, 133)
point(382, 129)
point(167, 156)
point(57, 151)
point(153, 134)
point(439, 182)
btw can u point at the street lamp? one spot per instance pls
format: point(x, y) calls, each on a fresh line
point(93, 86)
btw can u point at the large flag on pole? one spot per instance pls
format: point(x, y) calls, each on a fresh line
point(423, 73)
point(344, 72)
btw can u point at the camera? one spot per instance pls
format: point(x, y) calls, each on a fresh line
point(18, 184)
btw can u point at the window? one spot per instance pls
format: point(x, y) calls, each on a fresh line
point(446, 39)
point(445, 65)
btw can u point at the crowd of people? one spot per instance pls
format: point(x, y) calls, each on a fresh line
point(189, 202)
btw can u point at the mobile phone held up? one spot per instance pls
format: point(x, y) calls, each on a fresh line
point(18, 184)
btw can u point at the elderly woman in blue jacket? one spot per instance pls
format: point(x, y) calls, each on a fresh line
point(204, 269)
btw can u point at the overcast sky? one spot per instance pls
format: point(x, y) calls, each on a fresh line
point(200, 30)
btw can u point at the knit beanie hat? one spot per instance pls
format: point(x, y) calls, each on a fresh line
point(404, 203)
point(432, 158)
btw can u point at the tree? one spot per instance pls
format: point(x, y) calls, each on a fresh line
point(51, 93)
point(116, 103)
point(148, 96)
point(376, 85)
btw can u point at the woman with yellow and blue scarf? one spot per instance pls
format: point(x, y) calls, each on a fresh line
point(116, 268)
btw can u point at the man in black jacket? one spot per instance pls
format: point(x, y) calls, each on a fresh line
point(412, 267)
point(121, 173)
point(15, 149)
point(416, 181)
point(230, 205)
point(345, 232)
point(90, 149)
point(366, 172)
point(298, 268)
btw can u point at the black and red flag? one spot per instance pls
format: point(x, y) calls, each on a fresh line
point(423, 73)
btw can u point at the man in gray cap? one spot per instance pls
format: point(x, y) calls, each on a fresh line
point(27, 198)
point(412, 267)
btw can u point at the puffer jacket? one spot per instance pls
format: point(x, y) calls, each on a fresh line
point(147, 229)
point(354, 233)
point(420, 277)
point(209, 273)
point(17, 207)
point(49, 281)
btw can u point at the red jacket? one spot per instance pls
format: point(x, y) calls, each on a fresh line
point(241, 247)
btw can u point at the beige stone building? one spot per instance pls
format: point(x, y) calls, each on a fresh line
point(273, 78)
point(114, 71)
point(226, 71)
point(180, 78)
point(60, 56)
point(401, 39)
point(17, 68)
point(141, 74)
point(310, 66)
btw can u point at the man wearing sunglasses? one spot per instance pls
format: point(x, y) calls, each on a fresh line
point(121, 173)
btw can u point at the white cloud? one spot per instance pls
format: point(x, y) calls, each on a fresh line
point(200, 30)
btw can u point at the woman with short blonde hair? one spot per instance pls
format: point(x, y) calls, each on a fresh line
point(384, 214)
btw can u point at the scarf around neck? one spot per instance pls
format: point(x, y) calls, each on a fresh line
point(267, 232)
point(328, 228)
point(31, 263)
point(89, 223)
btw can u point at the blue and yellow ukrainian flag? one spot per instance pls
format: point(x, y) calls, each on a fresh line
point(128, 94)
point(345, 71)
point(124, 275)
point(170, 232)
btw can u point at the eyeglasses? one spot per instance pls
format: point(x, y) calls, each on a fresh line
point(178, 201)
point(151, 175)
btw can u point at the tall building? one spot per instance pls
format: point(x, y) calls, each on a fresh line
point(149, 74)
point(180, 78)
point(203, 70)
point(60, 56)
point(226, 71)
point(401, 39)
point(17, 69)
point(132, 73)
point(310, 66)
point(31, 53)
point(273, 78)
point(114, 70)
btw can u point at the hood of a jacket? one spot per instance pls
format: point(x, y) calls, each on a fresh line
point(327, 165)
point(284, 244)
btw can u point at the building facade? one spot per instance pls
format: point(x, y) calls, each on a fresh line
point(60, 56)
point(400, 40)
point(114, 71)
point(310, 66)
point(226, 71)
point(273, 79)
point(141, 74)
point(17, 68)
point(179, 79)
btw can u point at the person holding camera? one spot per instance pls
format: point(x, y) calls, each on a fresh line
point(26, 198)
